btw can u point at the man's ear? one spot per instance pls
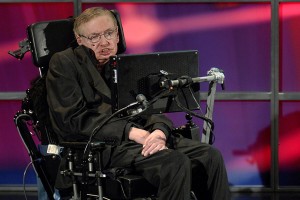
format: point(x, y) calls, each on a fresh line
point(78, 39)
point(118, 38)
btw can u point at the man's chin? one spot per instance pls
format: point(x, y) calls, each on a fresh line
point(100, 56)
point(103, 61)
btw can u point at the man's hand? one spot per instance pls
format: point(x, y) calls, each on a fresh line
point(138, 135)
point(155, 142)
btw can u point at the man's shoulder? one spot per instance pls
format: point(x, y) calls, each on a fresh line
point(78, 51)
point(66, 52)
point(71, 56)
point(62, 60)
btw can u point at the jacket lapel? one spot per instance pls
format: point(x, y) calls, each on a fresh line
point(88, 62)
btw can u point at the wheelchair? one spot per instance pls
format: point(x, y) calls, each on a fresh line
point(83, 177)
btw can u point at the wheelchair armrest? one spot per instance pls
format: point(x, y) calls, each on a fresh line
point(82, 145)
point(187, 131)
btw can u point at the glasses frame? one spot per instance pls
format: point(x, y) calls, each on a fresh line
point(97, 37)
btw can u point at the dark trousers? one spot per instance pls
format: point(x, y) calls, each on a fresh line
point(186, 166)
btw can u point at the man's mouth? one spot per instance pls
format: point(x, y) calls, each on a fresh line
point(105, 52)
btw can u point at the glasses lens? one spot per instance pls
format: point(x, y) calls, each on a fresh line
point(108, 35)
point(95, 38)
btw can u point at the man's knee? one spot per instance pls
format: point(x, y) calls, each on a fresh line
point(216, 159)
point(216, 154)
point(175, 175)
point(177, 158)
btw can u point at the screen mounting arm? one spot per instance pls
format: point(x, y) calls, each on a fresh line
point(218, 78)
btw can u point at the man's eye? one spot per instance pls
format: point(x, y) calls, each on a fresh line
point(109, 33)
point(93, 37)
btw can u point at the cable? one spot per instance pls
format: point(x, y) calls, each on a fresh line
point(122, 188)
point(194, 114)
point(24, 175)
point(97, 128)
point(202, 116)
point(195, 100)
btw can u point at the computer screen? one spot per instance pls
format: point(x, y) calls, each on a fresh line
point(135, 74)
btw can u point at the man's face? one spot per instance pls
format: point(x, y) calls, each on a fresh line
point(101, 35)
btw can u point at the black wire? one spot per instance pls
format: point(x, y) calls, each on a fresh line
point(24, 176)
point(122, 188)
point(195, 100)
point(202, 116)
point(97, 128)
point(185, 98)
point(194, 113)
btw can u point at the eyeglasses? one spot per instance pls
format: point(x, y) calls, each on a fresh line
point(109, 34)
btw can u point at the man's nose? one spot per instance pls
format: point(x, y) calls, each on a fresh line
point(103, 40)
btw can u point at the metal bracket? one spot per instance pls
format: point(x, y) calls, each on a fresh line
point(24, 47)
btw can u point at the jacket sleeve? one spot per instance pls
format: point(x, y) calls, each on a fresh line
point(161, 122)
point(153, 122)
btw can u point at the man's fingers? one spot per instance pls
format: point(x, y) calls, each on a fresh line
point(153, 148)
point(148, 148)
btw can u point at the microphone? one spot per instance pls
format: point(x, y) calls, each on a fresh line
point(142, 100)
point(180, 82)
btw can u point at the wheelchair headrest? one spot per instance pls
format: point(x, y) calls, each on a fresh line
point(49, 37)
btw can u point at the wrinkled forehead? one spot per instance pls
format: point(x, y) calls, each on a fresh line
point(98, 24)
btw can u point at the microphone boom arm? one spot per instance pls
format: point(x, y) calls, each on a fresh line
point(214, 76)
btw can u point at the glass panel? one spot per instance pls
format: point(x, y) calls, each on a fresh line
point(13, 154)
point(290, 47)
point(289, 137)
point(15, 75)
point(242, 134)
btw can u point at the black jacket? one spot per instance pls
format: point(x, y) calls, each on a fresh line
point(79, 100)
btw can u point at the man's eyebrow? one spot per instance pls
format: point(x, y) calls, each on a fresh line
point(107, 30)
